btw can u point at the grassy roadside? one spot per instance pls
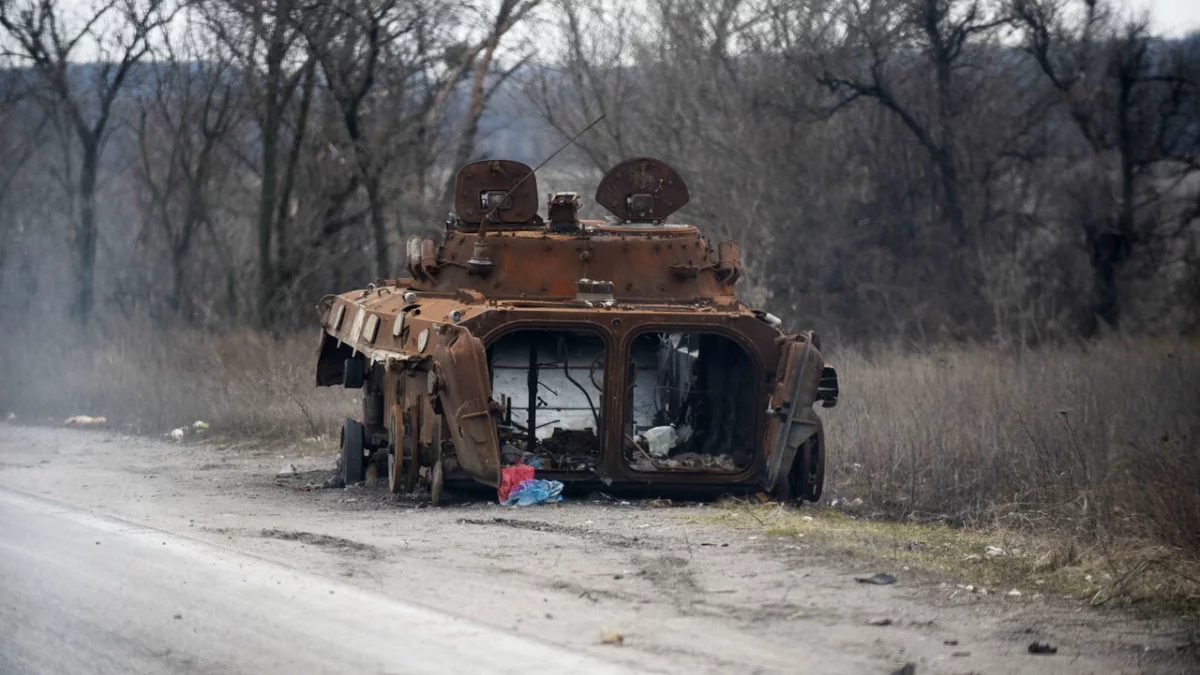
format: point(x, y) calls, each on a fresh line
point(1136, 574)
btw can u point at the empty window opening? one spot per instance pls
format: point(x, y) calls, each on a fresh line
point(551, 384)
point(690, 404)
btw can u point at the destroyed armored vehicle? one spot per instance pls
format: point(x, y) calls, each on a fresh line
point(610, 354)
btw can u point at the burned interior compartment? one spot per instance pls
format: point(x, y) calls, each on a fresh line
point(690, 403)
point(550, 385)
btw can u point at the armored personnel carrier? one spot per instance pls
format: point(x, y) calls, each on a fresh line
point(610, 354)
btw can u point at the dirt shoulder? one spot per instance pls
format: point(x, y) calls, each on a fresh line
point(687, 593)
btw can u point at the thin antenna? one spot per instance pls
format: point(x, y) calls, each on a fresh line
point(481, 262)
point(564, 146)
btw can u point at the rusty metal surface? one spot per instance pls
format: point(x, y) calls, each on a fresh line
point(460, 382)
point(642, 190)
point(425, 342)
point(496, 176)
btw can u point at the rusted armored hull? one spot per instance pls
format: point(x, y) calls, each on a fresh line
point(603, 353)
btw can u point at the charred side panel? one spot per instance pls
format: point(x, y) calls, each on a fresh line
point(793, 421)
point(331, 361)
point(460, 381)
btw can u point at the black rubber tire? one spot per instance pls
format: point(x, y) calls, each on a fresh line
point(806, 479)
point(783, 488)
point(354, 468)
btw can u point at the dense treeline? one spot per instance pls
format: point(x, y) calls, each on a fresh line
point(1017, 170)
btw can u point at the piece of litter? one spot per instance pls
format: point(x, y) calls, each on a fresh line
point(879, 621)
point(200, 425)
point(993, 551)
point(950, 643)
point(1014, 593)
point(807, 519)
point(660, 440)
point(609, 637)
point(287, 470)
point(961, 654)
point(85, 420)
point(533, 492)
point(176, 435)
point(880, 579)
point(1042, 648)
point(795, 615)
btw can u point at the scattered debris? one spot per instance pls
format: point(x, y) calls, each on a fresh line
point(510, 478)
point(534, 491)
point(880, 579)
point(879, 621)
point(660, 440)
point(1042, 648)
point(82, 420)
point(610, 637)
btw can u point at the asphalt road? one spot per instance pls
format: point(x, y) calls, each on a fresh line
point(84, 593)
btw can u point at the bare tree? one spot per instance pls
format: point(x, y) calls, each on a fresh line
point(181, 125)
point(480, 58)
point(1125, 96)
point(353, 42)
point(119, 34)
point(268, 48)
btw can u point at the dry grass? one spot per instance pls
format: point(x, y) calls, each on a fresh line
point(1094, 442)
point(150, 381)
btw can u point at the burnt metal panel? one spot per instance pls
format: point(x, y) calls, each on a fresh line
point(461, 383)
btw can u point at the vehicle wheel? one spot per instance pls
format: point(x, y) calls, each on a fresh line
point(402, 457)
point(813, 468)
point(435, 483)
point(783, 488)
point(353, 467)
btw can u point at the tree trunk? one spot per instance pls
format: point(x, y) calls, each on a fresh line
point(378, 227)
point(266, 211)
point(85, 234)
point(466, 142)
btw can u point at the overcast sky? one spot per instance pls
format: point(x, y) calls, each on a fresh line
point(1173, 17)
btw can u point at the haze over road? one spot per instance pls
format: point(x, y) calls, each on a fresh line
point(267, 578)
